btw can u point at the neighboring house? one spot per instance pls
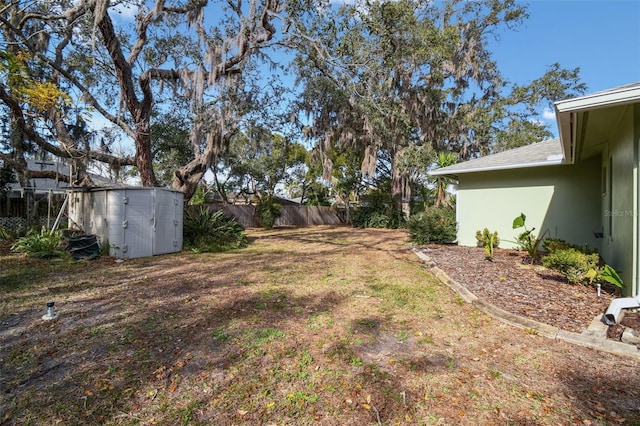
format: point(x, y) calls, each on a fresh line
point(13, 202)
point(583, 187)
point(45, 185)
point(40, 185)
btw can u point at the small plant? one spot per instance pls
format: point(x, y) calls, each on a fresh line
point(610, 275)
point(606, 274)
point(40, 244)
point(5, 234)
point(527, 240)
point(105, 248)
point(436, 225)
point(488, 240)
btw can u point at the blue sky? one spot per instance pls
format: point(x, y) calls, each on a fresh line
point(601, 37)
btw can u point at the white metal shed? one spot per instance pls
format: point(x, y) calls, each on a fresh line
point(133, 221)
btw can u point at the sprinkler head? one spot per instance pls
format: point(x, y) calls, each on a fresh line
point(51, 313)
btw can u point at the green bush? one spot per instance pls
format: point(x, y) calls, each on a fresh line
point(436, 225)
point(210, 230)
point(572, 263)
point(269, 210)
point(552, 244)
point(378, 220)
point(367, 217)
point(43, 243)
point(379, 212)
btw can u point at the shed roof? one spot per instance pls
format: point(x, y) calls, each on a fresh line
point(545, 153)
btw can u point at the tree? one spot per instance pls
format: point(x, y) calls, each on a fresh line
point(121, 72)
point(383, 76)
point(257, 162)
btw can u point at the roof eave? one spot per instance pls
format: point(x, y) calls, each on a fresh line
point(625, 95)
point(566, 133)
point(444, 172)
point(567, 111)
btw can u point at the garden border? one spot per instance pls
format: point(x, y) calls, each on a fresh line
point(594, 337)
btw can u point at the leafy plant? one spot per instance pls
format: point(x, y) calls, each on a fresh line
point(610, 275)
point(269, 210)
point(4, 234)
point(527, 240)
point(489, 240)
point(40, 244)
point(572, 263)
point(210, 230)
point(606, 274)
point(436, 225)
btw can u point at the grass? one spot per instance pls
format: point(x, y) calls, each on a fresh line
point(305, 326)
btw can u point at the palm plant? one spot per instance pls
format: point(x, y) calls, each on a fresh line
point(440, 183)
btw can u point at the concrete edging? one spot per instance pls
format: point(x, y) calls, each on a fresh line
point(586, 339)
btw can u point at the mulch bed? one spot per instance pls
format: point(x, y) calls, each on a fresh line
point(511, 282)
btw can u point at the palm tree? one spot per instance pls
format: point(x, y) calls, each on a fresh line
point(440, 183)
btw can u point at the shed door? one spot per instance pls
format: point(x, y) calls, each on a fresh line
point(166, 223)
point(138, 236)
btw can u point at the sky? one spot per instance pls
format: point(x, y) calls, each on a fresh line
point(601, 37)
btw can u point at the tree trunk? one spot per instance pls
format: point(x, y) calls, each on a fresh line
point(400, 188)
point(143, 154)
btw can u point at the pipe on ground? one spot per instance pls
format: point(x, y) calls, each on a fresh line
point(610, 317)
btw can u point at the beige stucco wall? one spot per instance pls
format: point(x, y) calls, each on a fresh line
point(620, 212)
point(565, 200)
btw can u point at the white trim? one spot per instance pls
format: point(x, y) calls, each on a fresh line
point(620, 96)
point(444, 171)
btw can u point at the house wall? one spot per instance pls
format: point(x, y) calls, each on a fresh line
point(563, 200)
point(619, 199)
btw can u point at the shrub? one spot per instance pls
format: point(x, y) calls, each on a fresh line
point(436, 225)
point(210, 230)
point(367, 217)
point(377, 220)
point(488, 240)
point(379, 212)
point(43, 243)
point(552, 244)
point(269, 210)
point(572, 263)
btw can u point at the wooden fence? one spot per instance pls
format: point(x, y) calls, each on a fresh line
point(291, 215)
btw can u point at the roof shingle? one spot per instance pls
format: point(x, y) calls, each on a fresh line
point(545, 153)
